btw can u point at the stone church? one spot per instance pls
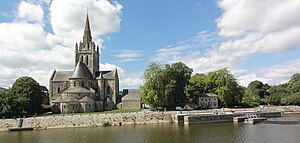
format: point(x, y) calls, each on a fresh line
point(86, 88)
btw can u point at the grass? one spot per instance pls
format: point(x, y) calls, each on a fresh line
point(104, 112)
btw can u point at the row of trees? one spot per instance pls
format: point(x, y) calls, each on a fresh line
point(23, 98)
point(284, 94)
point(168, 86)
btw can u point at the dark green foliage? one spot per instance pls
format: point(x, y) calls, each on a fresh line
point(11, 104)
point(197, 85)
point(168, 86)
point(225, 86)
point(255, 93)
point(164, 85)
point(283, 94)
point(295, 77)
point(46, 108)
point(28, 88)
point(25, 97)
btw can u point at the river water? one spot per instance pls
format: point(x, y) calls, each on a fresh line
point(275, 130)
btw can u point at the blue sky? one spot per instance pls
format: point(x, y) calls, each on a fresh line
point(255, 40)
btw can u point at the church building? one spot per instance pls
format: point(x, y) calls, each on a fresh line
point(86, 88)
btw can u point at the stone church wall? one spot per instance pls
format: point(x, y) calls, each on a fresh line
point(55, 85)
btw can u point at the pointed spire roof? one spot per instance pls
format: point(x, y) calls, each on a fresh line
point(81, 71)
point(87, 36)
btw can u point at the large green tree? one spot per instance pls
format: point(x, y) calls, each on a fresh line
point(181, 74)
point(11, 104)
point(197, 85)
point(28, 94)
point(255, 93)
point(164, 85)
point(225, 86)
point(152, 88)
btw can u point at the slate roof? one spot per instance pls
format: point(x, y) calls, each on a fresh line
point(86, 99)
point(58, 99)
point(77, 89)
point(108, 74)
point(208, 95)
point(61, 75)
point(81, 71)
point(133, 94)
point(70, 99)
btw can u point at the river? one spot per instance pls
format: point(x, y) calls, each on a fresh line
point(275, 130)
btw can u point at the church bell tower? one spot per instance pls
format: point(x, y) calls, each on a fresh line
point(87, 52)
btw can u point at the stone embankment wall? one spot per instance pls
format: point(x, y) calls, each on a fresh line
point(285, 109)
point(89, 120)
point(194, 119)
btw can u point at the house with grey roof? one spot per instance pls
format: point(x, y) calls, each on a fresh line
point(132, 100)
point(208, 101)
point(86, 88)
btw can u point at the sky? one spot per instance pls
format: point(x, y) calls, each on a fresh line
point(254, 39)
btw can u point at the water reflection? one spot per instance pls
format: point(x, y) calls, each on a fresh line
point(163, 133)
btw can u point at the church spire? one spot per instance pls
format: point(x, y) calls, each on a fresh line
point(87, 37)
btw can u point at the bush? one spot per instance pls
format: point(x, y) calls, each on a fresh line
point(46, 108)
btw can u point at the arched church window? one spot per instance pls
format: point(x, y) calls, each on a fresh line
point(58, 90)
point(81, 58)
point(82, 84)
point(74, 83)
point(87, 59)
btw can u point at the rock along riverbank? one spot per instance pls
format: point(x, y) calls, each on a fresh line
point(142, 117)
point(89, 120)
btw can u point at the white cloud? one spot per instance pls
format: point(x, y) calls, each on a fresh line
point(267, 16)
point(124, 54)
point(131, 80)
point(128, 55)
point(28, 49)
point(127, 80)
point(246, 28)
point(30, 12)
point(187, 50)
point(68, 18)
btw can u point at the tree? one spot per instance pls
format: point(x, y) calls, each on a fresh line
point(164, 85)
point(28, 94)
point(277, 92)
point(196, 85)
point(295, 77)
point(225, 86)
point(255, 93)
point(11, 104)
point(152, 87)
point(180, 73)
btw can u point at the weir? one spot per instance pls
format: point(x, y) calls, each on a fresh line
point(252, 117)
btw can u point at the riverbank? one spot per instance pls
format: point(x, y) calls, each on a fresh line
point(89, 120)
point(119, 119)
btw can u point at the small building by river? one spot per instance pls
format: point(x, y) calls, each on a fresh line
point(208, 101)
point(132, 100)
